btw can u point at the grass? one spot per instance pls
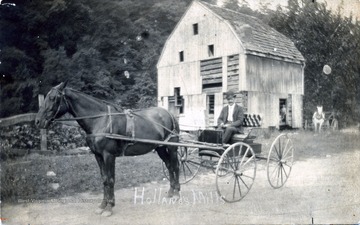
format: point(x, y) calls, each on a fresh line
point(26, 177)
point(310, 145)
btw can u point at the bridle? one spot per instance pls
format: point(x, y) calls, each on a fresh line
point(63, 100)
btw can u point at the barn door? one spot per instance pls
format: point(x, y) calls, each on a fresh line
point(283, 112)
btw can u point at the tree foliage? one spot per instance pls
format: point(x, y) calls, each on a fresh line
point(324, 38)
point(108, 49)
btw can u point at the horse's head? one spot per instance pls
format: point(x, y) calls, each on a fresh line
point(54, 106)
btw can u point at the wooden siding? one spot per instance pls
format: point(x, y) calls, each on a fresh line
point(289, 111)
point(212, 30)
point(267, 105)
point(273, 76)
point(297, 111)
point(186, 76)
point(211, 72)
point(233, 72)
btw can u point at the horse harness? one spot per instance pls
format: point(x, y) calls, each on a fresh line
point(130, 123)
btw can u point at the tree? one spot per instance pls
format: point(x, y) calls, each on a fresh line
point(30, 30)
point(108, 49)
point(324, 38)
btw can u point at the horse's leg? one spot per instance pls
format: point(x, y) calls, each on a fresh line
point(101, 164)
point(165, 157)
point(109, 183)
point(174, 162)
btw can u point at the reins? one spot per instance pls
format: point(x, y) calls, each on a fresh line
point(88, 117)
point(109, 114)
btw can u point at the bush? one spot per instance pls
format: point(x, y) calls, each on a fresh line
point(22, 138)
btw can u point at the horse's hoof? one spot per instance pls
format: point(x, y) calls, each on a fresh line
point(107, 211)
point(176, 195)
point(170, 193)
point(175, 198)
point(101, 208)
point(99, 211)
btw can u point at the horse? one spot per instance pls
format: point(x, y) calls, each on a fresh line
point(99, 118)
point(318, 119)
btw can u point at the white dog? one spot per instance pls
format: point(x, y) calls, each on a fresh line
point(318, 118)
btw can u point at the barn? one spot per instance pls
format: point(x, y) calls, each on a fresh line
point(212, 50)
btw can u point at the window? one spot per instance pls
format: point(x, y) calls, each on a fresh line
point(195, 28)
point(178, 97)
point(212, 85)
point(211, 50)
point(181, 56)
point(210, 104)
point(179, 100)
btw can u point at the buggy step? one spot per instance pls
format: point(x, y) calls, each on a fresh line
point(209, 153)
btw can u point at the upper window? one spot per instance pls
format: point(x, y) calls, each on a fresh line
point(211, 50)
point(195, 28)
point(181, 56)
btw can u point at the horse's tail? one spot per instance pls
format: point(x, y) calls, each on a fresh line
point(175, 123)
point(175, 129)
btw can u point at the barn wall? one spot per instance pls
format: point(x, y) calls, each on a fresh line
point(273, 76)
point(297, 110)
point(185, 75)
point(194, 116)
point(267, 105)
point(218, 107)
point(233, 70)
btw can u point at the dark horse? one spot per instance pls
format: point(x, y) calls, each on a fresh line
point(98, 118)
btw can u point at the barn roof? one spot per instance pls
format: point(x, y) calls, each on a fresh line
point(256, 36)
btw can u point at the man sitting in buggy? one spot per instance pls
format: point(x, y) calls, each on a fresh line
point(231, 118)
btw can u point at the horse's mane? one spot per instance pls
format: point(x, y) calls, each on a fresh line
point(117, 107)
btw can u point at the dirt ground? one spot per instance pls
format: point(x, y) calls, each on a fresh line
point(323, 189)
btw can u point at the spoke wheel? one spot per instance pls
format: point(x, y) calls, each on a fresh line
point(235, 172)
point(280, 161)
point(334, 124)
point(189, 164)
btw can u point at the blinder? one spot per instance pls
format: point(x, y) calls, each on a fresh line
point(63, 105)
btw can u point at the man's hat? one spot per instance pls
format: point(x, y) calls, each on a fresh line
point(230, 93)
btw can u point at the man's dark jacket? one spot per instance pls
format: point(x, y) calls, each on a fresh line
point(238, 117)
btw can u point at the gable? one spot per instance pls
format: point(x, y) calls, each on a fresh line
point(213, 32)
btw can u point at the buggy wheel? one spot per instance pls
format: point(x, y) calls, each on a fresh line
point(235, 172)
point(334, 124)
point(280, 161)
point(189, 164)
